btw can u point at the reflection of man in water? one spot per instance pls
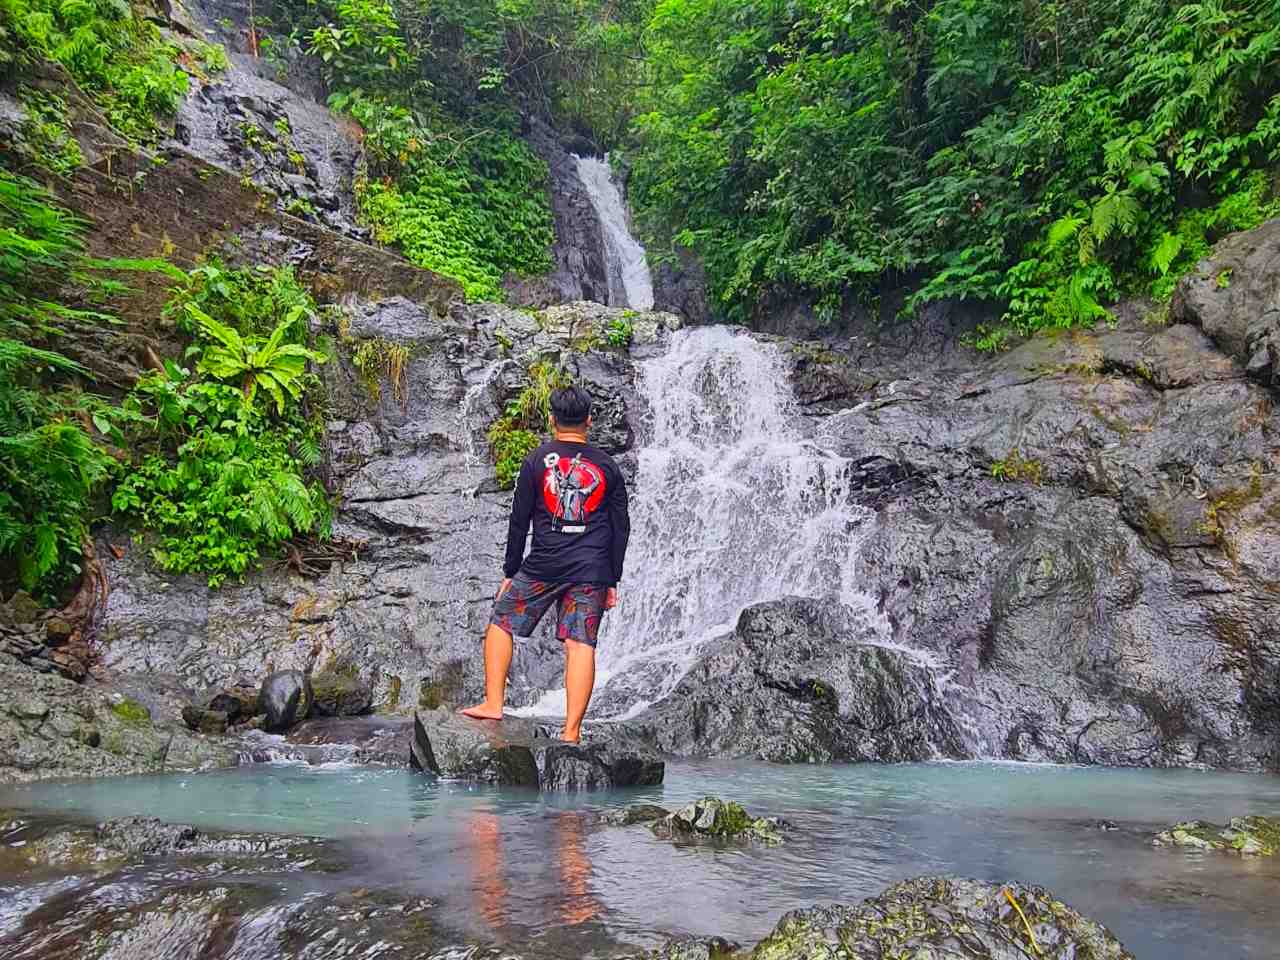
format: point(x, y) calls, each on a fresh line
point(492, 885)
point(571, 493)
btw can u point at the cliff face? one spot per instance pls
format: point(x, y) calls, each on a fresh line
point(1077, 539)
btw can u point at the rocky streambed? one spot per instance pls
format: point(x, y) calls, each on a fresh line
point(338, 859)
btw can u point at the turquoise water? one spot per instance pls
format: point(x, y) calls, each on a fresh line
point(520, 868)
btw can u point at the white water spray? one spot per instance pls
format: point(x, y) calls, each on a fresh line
point(730, 507)
point(630, 283)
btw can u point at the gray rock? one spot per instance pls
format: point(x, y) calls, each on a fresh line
point(720, 820)
point(804, 681)
point(1249, 836)
point(524, 753)
point(636, 813)
point(286, 699)
point(212, 722)
point(1234, 297)
point(239, 703)
point(80, 731)
point(340, 695)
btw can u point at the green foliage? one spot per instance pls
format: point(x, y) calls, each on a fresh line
point(50, 466)
point(377, 359)
point(618, 333)
point(46, 132)
point(1015, 467)
point(1052, 157)
point(132, 712)
point(117, 57)
point(221, 477)
point(449, 181)
point(525, 422)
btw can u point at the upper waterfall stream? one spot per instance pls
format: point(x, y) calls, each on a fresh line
point(630, 284)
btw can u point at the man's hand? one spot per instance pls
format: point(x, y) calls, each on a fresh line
point(506, 585)
point(611, 598)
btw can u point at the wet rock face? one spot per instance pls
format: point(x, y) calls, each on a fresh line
point(52, 727)
point(278, 140)
point(578, 252)
point(526, 753)
point(286, 698)
point(946, 919)
point(805, 681)
point(419, 505)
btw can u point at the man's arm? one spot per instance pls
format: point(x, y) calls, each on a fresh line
point(620, 520)
point(521, 515)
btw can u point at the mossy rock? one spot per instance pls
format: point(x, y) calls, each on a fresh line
point(132, 712)
point(340, 694)
point(1251, 836)
point(717, 819)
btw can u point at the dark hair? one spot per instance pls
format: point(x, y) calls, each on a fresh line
point(571, 406)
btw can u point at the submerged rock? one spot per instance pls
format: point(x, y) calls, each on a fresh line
point(286, 699)
point(636, 813)
point(719, 820)
point(517, 752)
point(941, 918)
point(1258, 836)
point(341, 695)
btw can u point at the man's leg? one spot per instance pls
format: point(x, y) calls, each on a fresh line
point(498, 647)
point(579, 680)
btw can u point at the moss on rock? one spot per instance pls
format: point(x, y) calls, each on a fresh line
point(717, 819)
point(132, 712)
point(1253, 835)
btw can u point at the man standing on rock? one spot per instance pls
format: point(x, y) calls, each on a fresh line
point(575, 497)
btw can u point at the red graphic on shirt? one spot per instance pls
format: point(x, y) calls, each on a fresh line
point(572, 489)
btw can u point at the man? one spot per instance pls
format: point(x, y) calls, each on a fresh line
point(575, 497)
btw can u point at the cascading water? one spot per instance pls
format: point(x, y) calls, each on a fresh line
point(730, 507)
point(630, 284)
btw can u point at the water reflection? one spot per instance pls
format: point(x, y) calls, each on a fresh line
point(562, 873)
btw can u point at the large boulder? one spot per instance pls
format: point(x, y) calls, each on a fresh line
point(803, 680)
point(526, 753)
point(286, 698)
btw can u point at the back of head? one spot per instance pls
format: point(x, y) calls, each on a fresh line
point(571, 406)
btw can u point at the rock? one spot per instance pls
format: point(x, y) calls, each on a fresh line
point(717, 819)
point(147, 836)
point(239, 703)
point(286, 699)
point(804, 681)
point(636, 813)
point(341, 695)
point(942, 918)
point(1234, 297)
point(1251, 836)
point(522, 753)
point(211, 722)
point(51, 727)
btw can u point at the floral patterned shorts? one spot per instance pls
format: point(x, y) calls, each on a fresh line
point(578, 608)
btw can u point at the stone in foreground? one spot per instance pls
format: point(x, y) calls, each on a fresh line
point(525, 753)
point(1259, 836)
point(285, 699)
point(941, 918)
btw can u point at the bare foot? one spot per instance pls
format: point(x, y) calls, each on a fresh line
point(565, 738)
point(482, 711)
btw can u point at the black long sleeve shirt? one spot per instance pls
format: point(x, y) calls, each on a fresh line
point(575, 498)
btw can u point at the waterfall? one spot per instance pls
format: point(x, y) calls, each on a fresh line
point(630, 284)
point(731, 507)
